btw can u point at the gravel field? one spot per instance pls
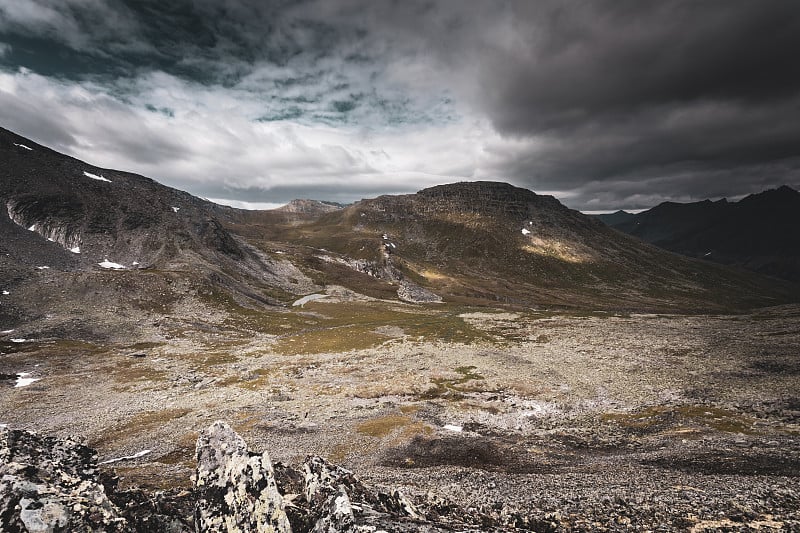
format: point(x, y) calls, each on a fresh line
point(587, 422)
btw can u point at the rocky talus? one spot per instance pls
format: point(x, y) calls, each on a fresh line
point(54, 485)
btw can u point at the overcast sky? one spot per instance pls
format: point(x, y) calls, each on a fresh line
point(605, 104)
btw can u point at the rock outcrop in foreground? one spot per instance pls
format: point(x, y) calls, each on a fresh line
point(52, 485)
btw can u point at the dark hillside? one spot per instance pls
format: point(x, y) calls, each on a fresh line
point(760, 232)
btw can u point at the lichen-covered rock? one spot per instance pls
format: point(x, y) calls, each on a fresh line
point(413, 293)
point(236, 490)
point(49, 485)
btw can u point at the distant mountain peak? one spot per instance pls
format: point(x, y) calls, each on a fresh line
point(306, 206)
point(488, 198)
point(494, 189)
point(772, 197)
point(757, 232)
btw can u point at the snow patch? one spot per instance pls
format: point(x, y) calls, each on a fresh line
point(125, 457)
point(23, 380)
point(176, 209)
point(135, 263)
point(32, 228)
point(111, 265)
point(23, 146)
point(385, 237)
point(310, 298)
point(526, 231)
point(450, 427)
point(18, 340)
point(6, 293)
point(6, 332)
point(95, 177)
point(43, 267)
point(75, 249)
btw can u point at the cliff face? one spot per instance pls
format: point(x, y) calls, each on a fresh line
point(51, 485)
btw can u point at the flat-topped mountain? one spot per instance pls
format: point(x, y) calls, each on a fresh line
point(493, 242)
point(760, 232)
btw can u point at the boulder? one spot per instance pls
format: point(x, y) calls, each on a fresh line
point(49, 485)
point(235, 489)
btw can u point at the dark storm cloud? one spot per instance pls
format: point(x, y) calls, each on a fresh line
point(581, 59)
point(625, 92)
point(610, 103)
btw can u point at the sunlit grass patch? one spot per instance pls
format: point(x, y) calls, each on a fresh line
point(341, 339)
point(322, 326)
point(401, 427)
point(339, 327)
point(144, 423)
point(683, 419)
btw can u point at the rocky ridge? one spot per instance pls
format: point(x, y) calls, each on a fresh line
point(55, 485)
point(754, 233)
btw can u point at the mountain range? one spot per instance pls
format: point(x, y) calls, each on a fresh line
point(760, 232)
point(78, 238)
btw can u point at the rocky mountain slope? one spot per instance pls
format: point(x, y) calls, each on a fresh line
point(494, 243)
point(760, 232)
point(78, 227)
point(51, 484)
point(310, 207)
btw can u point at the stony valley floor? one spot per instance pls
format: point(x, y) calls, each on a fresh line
point(588, 421)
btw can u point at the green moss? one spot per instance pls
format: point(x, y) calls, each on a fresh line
point(322, 326)
point(388, 425)
point(341, 339)
point(686, 417)
point(454, 388)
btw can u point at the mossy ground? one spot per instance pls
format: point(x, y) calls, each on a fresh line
point(321, 327)
point(139, 425)
point(468, 380)
point(686, 419)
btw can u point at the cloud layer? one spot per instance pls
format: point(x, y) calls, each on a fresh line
point(605, 103)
